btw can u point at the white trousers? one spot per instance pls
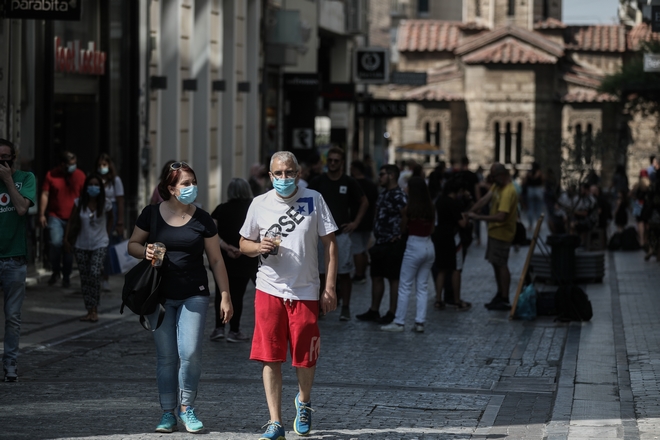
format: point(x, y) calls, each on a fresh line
point(416, 268)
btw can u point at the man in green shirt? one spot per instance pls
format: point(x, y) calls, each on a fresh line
point(502, 218)
point(17, 194)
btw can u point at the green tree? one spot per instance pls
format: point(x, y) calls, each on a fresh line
point(639, 91)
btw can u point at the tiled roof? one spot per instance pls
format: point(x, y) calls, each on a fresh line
point(428, 35)
point(600, 38)
point(639, 34)
point(549, 23)
point(432, 93)
point(509, 51)
point(587, 95)
point(532, 38)
point(446, 73)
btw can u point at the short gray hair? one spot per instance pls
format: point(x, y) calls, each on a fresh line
point(284, 156)
point(239, 189)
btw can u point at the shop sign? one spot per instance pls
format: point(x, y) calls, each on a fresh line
point(301, 82)
point(44, 9)
point(371, 65)
point(338, 91)
point(408, 78)
point(651, 62)
point(72, 59)
point(383, 109)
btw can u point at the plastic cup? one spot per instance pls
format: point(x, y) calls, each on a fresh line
point(159, 254)
point(276, 237)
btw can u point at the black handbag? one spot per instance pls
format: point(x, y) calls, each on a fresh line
point(140, 293)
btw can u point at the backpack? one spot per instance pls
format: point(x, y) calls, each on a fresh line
point(572, 304)
point(526, 305)
point(629, 239)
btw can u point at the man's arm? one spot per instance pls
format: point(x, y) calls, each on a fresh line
point(20, 203)
point(43, 203)
point(329, 295)
point(482, 202)
point(364, 205)
point(253, 248)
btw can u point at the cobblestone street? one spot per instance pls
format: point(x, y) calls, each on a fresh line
point(472, 375)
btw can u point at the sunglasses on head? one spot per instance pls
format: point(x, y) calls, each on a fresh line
point(177, 165)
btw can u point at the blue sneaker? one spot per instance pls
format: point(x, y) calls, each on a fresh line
point(303, 423)
point(275, 431)
point(190, 420)
point(167, 423)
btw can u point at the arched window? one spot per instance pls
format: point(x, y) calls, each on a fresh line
point(432, 133)
point(589, 145)
point(512, 8)
point(508, 142)
point(577, 140)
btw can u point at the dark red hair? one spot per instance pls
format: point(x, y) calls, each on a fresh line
point(172, 179)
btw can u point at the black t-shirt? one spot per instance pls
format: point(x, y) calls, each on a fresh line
point(340, 195)
point(371, 191)
point(183, 272)
point(448, 215)
point(230, 217)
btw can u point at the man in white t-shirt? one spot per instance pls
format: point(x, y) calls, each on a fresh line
point(287, 297)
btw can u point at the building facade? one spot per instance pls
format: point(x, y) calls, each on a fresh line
point(510, 82)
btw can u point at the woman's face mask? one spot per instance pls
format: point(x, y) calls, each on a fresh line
point(187, 194)
point(93, 190)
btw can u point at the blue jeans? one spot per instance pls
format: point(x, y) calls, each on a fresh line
point(534, 204)
point(56, 227)
point(179, 341)
point(12, 280)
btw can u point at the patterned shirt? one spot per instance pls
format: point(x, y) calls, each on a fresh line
point(387, 225)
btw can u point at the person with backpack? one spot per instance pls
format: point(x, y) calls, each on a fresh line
point(86, 236)
point(187, 232)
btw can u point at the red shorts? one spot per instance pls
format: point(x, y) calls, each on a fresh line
point(279, 324)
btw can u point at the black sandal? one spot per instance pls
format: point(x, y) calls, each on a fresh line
point(439, 305)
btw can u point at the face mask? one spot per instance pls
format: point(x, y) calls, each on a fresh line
point(104, 170)
point(93, 190)
point(71, 168)
point(187, 194)
point(7, 163)
point(284, 187)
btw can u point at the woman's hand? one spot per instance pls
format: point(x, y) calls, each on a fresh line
point(226, 309)
point(149, 254)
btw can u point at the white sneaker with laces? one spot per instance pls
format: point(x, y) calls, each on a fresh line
point(392, 327)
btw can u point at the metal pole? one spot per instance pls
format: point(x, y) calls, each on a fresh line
point(8, 115)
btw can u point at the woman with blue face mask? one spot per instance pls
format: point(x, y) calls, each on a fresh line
point(187, 233)
point(87, 233)
point(114, 192)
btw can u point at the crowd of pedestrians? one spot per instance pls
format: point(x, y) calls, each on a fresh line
point(303, 235)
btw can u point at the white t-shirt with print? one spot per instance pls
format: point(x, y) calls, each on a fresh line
point(293, 272)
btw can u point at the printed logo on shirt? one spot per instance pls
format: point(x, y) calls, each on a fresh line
point(343, 189)
point(305, 205)
point(4, 199)
point(18, 185)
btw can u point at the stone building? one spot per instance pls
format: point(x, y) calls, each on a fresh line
point(510, 82)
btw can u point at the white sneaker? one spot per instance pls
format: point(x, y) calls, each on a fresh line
point(392, 327)
point(105, 286)
point(419, 328)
